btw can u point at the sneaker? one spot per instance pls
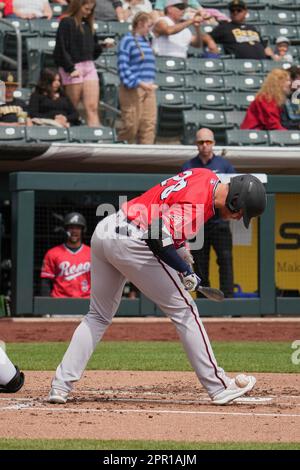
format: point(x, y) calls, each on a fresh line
point(234, 391)
point(57, 396)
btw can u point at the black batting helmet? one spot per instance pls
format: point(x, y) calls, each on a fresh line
point(75, 218)
point(248, 193)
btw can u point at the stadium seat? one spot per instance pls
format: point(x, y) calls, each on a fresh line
point(214, 4)
point(272, 32)
point(170, 64)
point(283, 4)
point(235, 118)
point(46, 134)
point(208, 100)
point(269, 65)
point(109, 93)
point(107, 63)
point(37, 48)
point(242, 99)
point(243, 66)
point(246, 137)
point(205, 66)
point(57, 9)
point(206, 82)
point(255, 18)
point(170, 81)
point(23, 94)
point(244, 82)
point(170, 107)
point(85, 134)
point(282, 17)
point(44, 27)
point(214, 120)
point(9, 39)
point(115, 28)
point(101, 29)
point(284, 138)
point(11, 134)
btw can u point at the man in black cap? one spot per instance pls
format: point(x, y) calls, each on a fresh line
point(14, 111)
point(239, 38)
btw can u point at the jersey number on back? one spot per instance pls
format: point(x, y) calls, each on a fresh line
point(180, 183)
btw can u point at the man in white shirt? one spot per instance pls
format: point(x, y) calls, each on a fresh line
point(172, 36)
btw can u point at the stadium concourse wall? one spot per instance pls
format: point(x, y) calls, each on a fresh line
point(123, 169)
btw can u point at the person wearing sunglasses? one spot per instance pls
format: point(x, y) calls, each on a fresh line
point(239, 38)
point(217, 233)
point(172, 34)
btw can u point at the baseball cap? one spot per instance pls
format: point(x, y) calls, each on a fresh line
point(282, 39)
point(172, 3)
point(9, 78)
point(237, 4)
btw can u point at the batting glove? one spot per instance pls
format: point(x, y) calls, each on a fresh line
point(191, 281)
point(185, 254)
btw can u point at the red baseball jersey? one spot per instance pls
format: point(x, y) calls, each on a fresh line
point(184, 202)
point(69, 271)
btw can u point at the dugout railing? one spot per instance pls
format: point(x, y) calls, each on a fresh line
point(25, 186)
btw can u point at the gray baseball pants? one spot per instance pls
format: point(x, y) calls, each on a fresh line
point(114, 260)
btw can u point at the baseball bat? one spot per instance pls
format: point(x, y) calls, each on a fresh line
point(211, 293)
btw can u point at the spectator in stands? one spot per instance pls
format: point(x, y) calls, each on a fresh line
point(49, 101)
point(136, 68)
point(14, 111)
point(264, 113)
point(31, 9)
point(172, 37)
point(109, 10)
point(281, 53)
point(217, 233)
point(132, 7)
point(76, 48)
point(6, 8)
point(290, 117)
point(239, 38)
point(211, 15)
point(66, 267)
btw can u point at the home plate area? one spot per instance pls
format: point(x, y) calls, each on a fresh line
point(153, 406)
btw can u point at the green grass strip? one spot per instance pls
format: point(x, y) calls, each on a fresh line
point(87, 444)
point(159, 355)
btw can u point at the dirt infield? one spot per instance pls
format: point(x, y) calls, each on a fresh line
point(150, 329)
point(153, 405)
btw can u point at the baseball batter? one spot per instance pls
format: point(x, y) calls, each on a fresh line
point(11, 379)
point(66, 267)
point(144, 242)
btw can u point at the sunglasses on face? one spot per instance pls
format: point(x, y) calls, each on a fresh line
point(236, 10)
point(207, 142)
point(180, 7)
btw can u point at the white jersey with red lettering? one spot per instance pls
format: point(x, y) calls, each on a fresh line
point(69, 271)
point(118, 258)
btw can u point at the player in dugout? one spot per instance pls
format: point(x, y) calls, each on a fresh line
point(145, 243)
point(66, 267)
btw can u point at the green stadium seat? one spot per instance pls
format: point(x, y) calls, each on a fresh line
point(107, 63)
point(170, 64)
point(269, 65)
point(284, 138)
point(244, 82)
point(23, 94)
point(283, 4)
point(10, 134)
point(272, 32)
point(57, 9)
point(205, 66)
point(44, 27)
point(282, 17)
point(206, 82)
point(115, 28)
point(247, 137)
point(255, 17)
point(214, 4)
point(170, 81)
point(214, 120)
point(85, 134)
point(242, 99)
point(235, 118)
point(37, 50)
point(101, 29)
point(243, 66)
point(170, 107)
point(209, 100)
point(46, 134)
point(109, 93)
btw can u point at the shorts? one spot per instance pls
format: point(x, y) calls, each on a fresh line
point(87, 72)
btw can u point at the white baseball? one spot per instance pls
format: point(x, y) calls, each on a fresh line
point(241, 380)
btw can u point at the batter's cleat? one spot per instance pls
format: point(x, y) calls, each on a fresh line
point(57, 396)
point(15, 384)
point(234, 391)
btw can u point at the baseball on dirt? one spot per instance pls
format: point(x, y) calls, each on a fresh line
point(241, 380)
